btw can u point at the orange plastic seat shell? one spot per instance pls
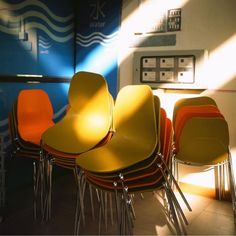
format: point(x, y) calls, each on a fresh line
point(34, 114)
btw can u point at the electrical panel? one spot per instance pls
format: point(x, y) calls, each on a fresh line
point(170, 69)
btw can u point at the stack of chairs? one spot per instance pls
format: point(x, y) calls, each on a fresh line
point(86, 125)
point(135, 160)
point(201, 137)
point(31, 115)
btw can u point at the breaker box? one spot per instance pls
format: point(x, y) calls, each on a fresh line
point(170, 69)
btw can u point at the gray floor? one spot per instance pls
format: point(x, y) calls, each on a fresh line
point(208, 216)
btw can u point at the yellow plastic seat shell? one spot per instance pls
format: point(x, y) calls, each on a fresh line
point(87, 121)
point(204, 141)
point(135, 138)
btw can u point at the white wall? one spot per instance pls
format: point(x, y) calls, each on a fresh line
point(206, 24)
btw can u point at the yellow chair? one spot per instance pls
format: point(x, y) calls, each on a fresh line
point(131, 159)
point(202, 139)
point(86, 125)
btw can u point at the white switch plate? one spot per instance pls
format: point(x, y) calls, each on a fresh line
point(167, 76)
point(149, 62)
point(185, 76)
point(167, 62)
point(149, 76)
point(185, 62)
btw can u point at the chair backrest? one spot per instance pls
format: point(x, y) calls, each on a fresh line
point(134, 115)
point(204, 140)
point(88, 119)
point(162, 129)
point(85, 90)
point(133, 145)
point(187, 112)
point(193, 101)
point(34, 114)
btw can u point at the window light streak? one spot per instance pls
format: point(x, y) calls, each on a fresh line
point(104, 58)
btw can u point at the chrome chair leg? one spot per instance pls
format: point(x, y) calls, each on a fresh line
point(174, 181)
point(172, 194)
point(111, 209)
point(172, 210)
point(232, 185)
point(91, 201)
point(35, 190)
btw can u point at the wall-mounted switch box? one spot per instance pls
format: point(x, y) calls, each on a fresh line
point(170, 69)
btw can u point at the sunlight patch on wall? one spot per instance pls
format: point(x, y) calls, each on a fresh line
point(143, 18)
point(221, 66)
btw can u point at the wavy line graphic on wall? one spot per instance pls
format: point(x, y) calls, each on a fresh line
point(44, 43)
point(17, 19)
point(108, 40)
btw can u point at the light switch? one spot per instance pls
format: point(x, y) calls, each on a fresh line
point(185, 76)
point(149, 62)
point(149, 76)
point(167, 76)
point(166, 62)
point(185, 62)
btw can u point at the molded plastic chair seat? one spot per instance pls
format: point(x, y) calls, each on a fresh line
point(201, 137)
point(34, 114)
point(193, 101)
point(131, 159)
point(86, 125)
point(203, 141)
point(122, 150)
point(87, 121)
point(31, 115)
point(188, 112)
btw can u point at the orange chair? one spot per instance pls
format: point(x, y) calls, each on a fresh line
point(31, 115)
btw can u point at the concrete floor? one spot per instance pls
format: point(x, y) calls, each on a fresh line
point(208, 216)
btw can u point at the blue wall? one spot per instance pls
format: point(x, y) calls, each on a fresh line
point(37, 37)
point(97, 31)
point(55, 39)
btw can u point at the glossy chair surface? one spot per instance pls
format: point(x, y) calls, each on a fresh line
point(88, 119)
point(192, 101)
point(204, 140)
point(135, 138)
point(34, 114)
point(188, 112)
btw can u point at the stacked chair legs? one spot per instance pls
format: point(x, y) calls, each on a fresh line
point(115, 151)
point(131, 162)
point(86, 125)
point(30, 116)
